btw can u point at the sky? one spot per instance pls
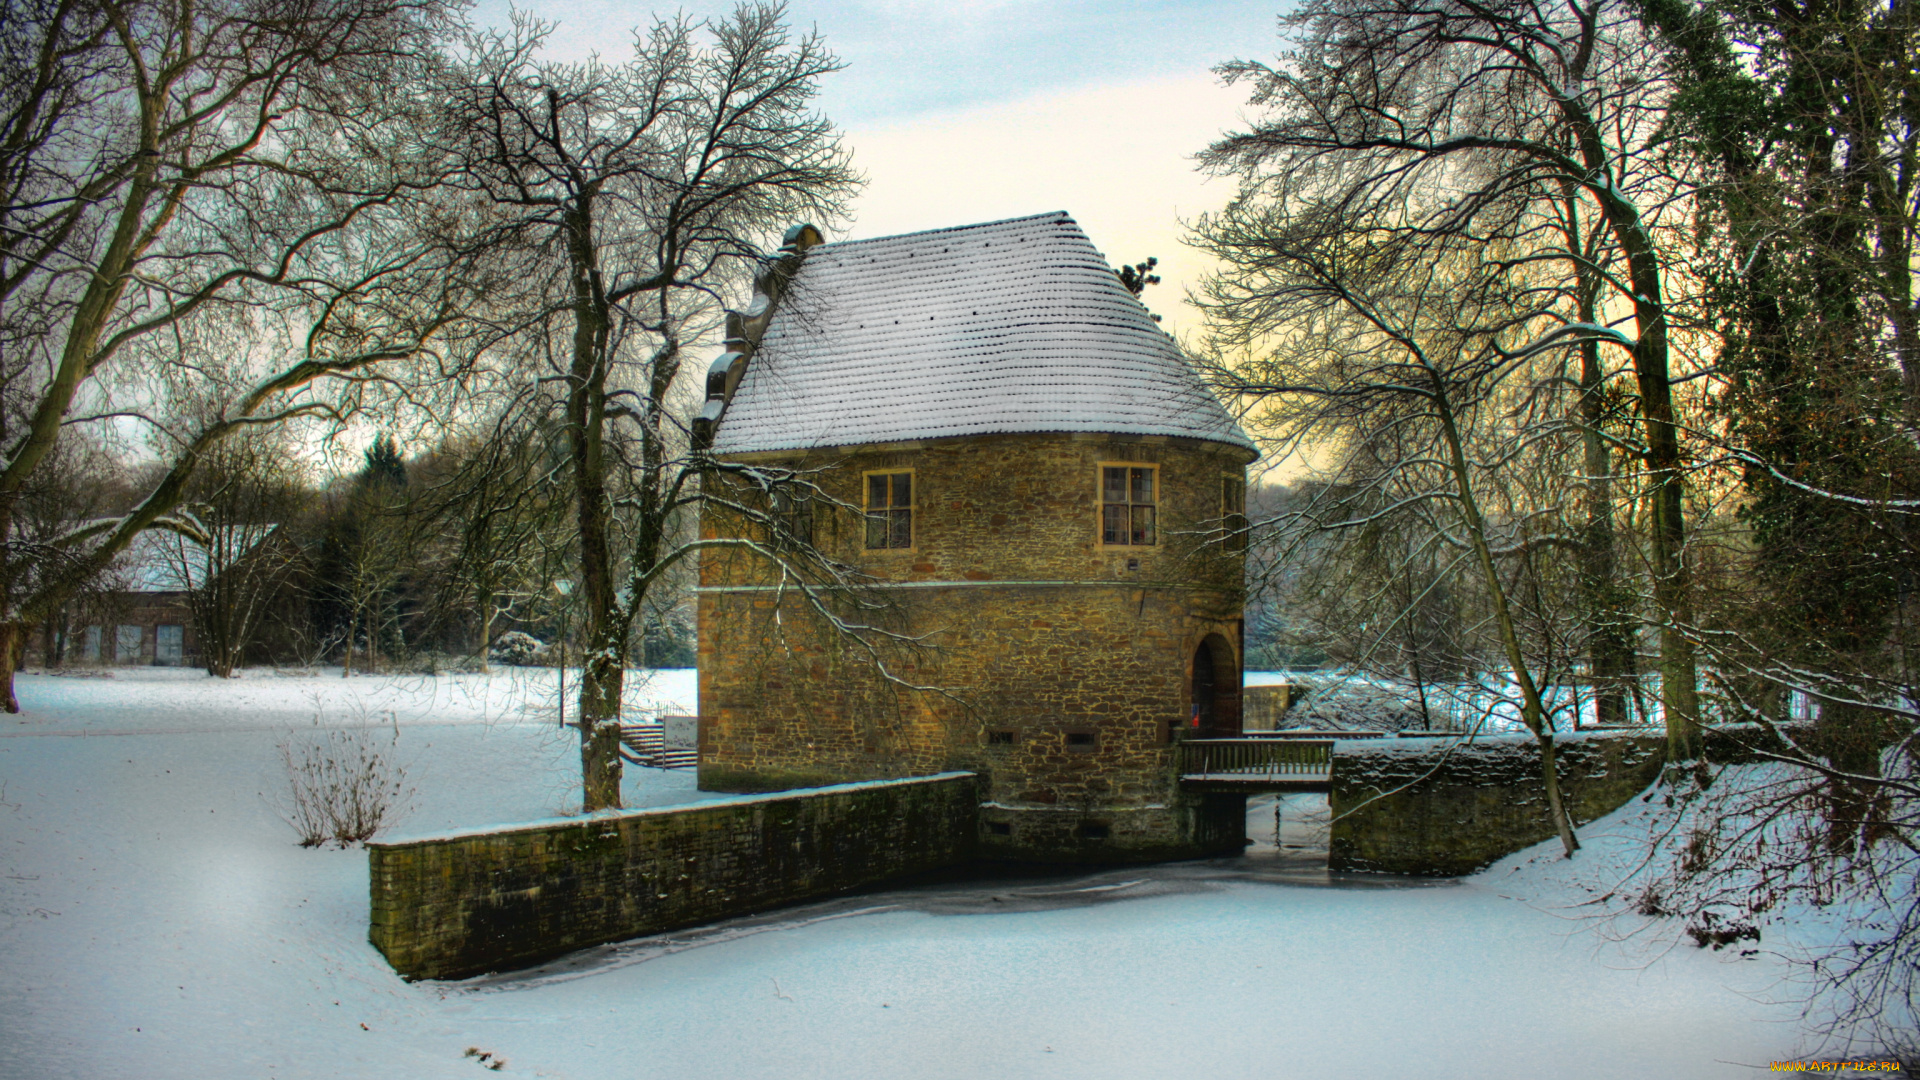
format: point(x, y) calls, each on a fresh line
point(966, 112)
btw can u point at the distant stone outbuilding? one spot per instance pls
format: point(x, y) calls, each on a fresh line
point(1040, 486)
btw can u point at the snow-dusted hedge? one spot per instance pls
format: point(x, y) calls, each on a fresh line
point(514, 647)
point(1334, 703)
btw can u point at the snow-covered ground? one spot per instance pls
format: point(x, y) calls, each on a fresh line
point(157, 920)
point(1489, 705)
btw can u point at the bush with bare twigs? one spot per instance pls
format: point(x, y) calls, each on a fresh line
point(1782, 844)
point(343, 784)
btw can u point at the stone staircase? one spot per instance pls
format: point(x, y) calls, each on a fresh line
point(646, 745)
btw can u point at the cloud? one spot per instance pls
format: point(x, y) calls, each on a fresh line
point(908, 57)
point(1118, 157)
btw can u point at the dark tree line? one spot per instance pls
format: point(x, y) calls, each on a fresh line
point(406, 564)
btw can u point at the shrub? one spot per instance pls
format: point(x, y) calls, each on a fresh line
point(1356, 705)
point(343, 784)
point(514, 647)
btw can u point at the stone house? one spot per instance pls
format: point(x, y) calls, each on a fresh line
point(1043, 491)
point(140, 612)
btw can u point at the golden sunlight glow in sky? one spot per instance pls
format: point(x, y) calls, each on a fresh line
point(960, 113)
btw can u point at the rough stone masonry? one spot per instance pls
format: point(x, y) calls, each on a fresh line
point(463, 904)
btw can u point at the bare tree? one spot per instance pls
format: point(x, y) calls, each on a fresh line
point(1392, 358)
point(370, 553)
point(1383, 599)
point(240, 563)
point(495, 496)
point(639, 193)
point(1442, 111)
point(79, 482)
point(1805, 118)
point(205, 201)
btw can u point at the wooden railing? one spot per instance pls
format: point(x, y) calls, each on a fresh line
point(1255, 759)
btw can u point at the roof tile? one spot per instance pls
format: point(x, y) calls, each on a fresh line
point(1009, 326)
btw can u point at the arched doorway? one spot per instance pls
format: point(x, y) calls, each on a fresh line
point(1216, 689)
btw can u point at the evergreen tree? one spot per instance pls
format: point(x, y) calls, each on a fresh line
point(1137, 277)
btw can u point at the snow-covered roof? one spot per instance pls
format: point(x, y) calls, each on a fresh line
point(157, 561)
point(160, 562)
point(1009, 326)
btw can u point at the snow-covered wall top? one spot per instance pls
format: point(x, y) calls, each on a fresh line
point(1012, 326)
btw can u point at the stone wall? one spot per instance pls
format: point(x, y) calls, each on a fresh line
point(1062, 698)
point(1442, 807)
point(463, 904)
point(1063, 666)
point(1009, 508)
point(1264, 708)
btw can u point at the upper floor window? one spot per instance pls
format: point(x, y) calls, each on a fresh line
point(890, 509)
point(791, 517)
point(1128, 499)
point(1233, 511)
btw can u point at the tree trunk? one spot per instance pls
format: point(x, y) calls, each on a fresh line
point(1853, 740)
point(1667, 539)
point(1610, 619)
point(1556, 802)
point(600, 764)
point(601, 683)
point(10, 634)
point(1672, 585)
point(1532, 711)
point(216, 627)
point(486, 632)
point(602, 671)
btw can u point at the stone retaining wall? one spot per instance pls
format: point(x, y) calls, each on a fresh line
point(452, 906)
point(1443, 808)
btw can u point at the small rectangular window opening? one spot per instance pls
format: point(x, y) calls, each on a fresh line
point(1080, 740)
point(999, 738)
point(1127, 505)
point(1233, 511)
point(889, 510)
point(792, 518)
point(1093, 830)
point(1000, 828)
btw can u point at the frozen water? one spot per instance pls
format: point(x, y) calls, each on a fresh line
point(156, 920)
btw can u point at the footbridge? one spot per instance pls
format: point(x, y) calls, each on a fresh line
point(1252, 765)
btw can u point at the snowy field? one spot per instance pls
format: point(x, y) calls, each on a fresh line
point(157, 920)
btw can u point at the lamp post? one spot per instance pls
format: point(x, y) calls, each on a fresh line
point(565, 589)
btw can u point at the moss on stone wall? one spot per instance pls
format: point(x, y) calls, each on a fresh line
point(1444, 808)
point(457, 906)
